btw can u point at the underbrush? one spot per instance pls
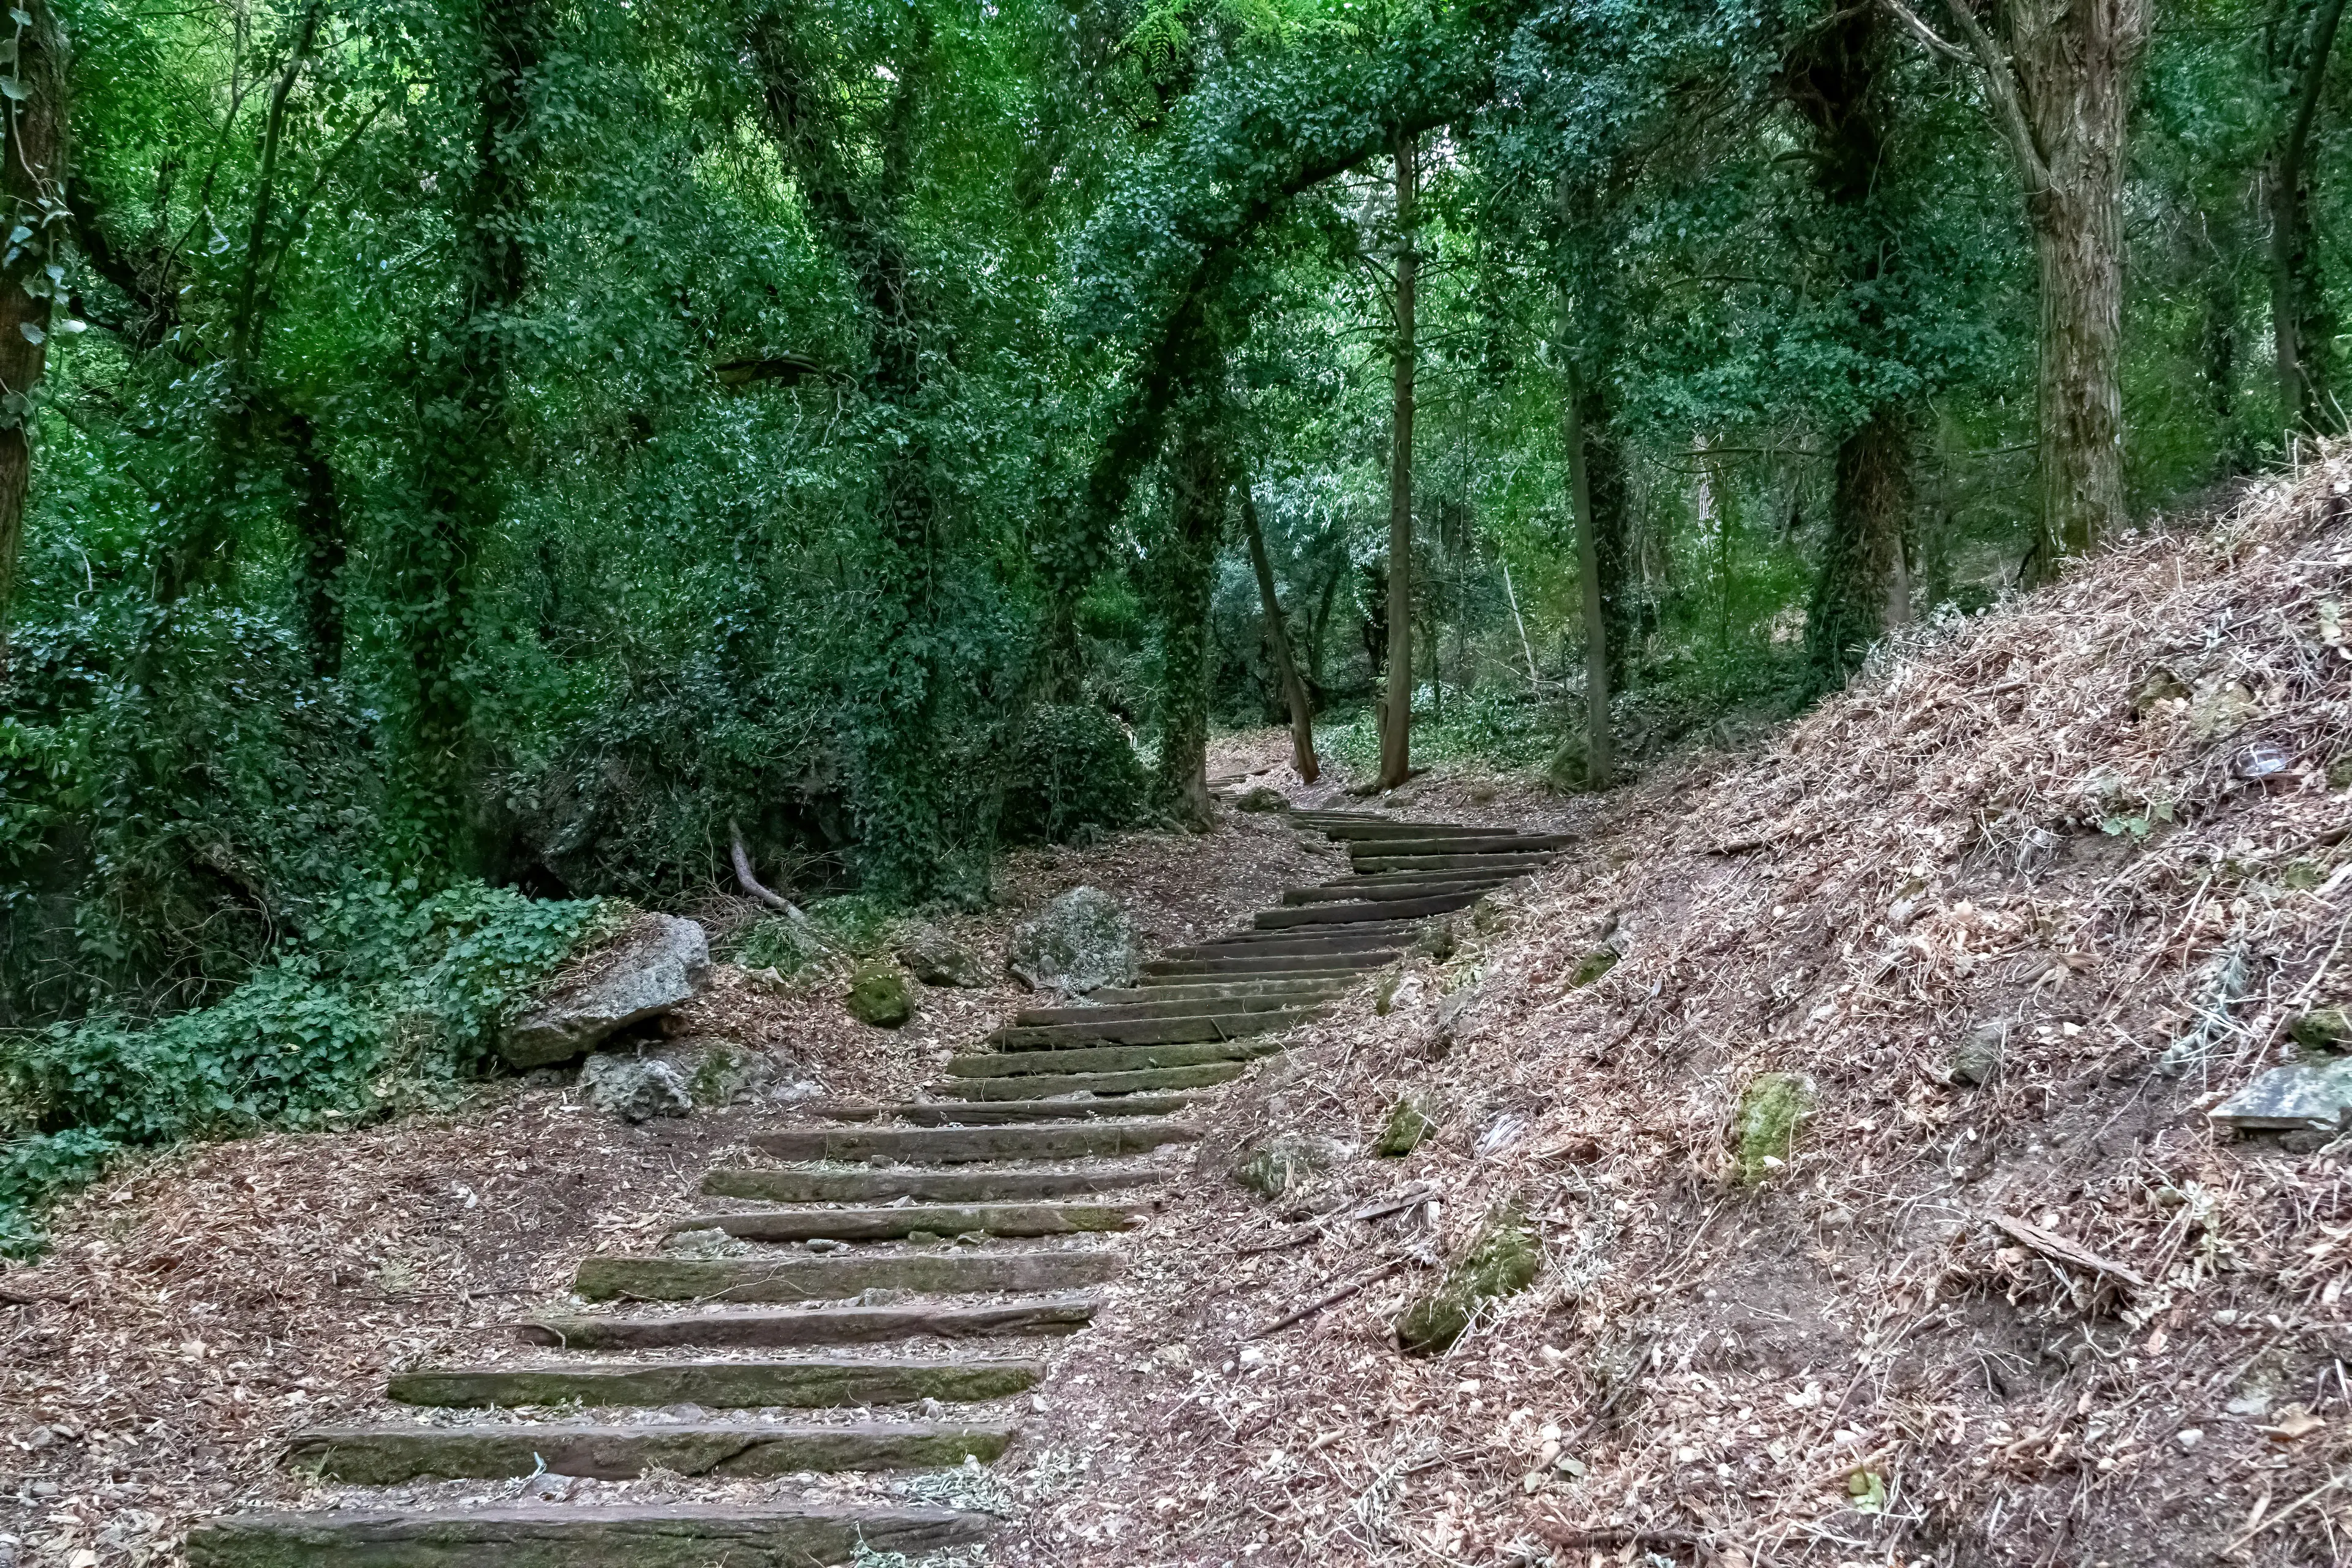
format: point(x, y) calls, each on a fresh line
point(387, 1001)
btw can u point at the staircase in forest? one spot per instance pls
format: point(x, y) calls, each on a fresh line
point(897, 1258)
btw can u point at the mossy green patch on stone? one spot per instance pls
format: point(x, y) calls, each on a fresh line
point(1765, 1124)
point(2324, 1029)
point(1411, 1120)
point(1592, 966)
point(879, 995)
point(1504, 1260)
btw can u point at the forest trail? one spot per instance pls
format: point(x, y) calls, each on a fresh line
point(927, 1241)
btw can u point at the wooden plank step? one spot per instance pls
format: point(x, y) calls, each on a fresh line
point(618, 1277)
point(963, 1113)
point(1253, 941)
point(1424, 878)
point(387, 1456)
point(1381, 865)
point(1301, 949)
point(1365, 892)
point(1293, 966)
point(753, 1329)
point(1041, 1086)
point(1310, 990)
point(1374, 828)
point(1160, 1007)
point(924, 1184)
point(962, 1145)
point(1075, 1059)
point(804, 1382)
point(892, 1224)
point(636, 1535)
point(1179, 1030)
point(1340, 914)
point(1457, 844)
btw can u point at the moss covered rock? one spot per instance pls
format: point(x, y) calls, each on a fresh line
point(1765, 1126)
point(1592, 966)
point(879, 995)
point(1410, 1121)
point(2327, 1029)
point(1504, 1260)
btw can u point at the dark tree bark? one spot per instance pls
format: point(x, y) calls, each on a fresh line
point(33, 185)
point(2301, 323)
point(2059, 80)
point(1836, 77)
point(1599, 745)
point(1277, 638)
point(1197, 477)
point(1396, 711)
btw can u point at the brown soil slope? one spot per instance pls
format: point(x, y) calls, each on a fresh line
point(2055, 1318)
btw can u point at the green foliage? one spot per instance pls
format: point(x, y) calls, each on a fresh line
point(1075, 776)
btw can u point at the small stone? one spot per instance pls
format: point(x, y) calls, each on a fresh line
point(2327, 1029)
point(1977, 1060)
point(1274, 1165)
point(879, 995)
point(2291, 1098)
point(2189, 1437)
point(636, 1088)
point(936, 959)
point(1265, 797)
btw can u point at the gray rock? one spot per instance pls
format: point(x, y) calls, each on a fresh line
point(1274, 1165)
point(716, 1072)
point(1265, 797)
point(2301, 1097)
point(1082, 943)
point(935, 957)
point(1978, 1059)
point(649, 969)
point(636, 1088)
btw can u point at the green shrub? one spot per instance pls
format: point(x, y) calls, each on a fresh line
point(1073, 775)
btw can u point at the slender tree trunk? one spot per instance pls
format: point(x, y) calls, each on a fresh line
point(1599, 747)
point(2300, 320)
point(33, 186)
point(1396, 716)
point(1862, 587)
point(1197, 469)
point(1278, 638)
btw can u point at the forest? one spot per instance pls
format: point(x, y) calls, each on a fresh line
point(463, 461)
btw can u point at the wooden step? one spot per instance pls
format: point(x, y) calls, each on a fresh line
point(1369, 933)
point(753, 1329)
point(1340, 914)
point(1038, 1085)
point(1384, 865)
point(891, 1224)
point(387, 1456)
point(1158, 1007)
point(1374, 828)
point(619, 1277)
point(1179, 1030)
point(963, 1113)
point(1425, 878)
point(638, 1535)
point(1293, 951)
point(803, 1383)
point(926, 1184)
point(1075, 1059)
point(1462, 844)
point(962, 1145)
point(1161, 971)
point(1313, 990)
point(1362, 892)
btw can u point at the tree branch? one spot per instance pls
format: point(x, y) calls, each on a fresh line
point(2000, 83)
point(752, 886)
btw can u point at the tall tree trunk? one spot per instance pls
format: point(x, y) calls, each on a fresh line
point(320, 547)
point(1836, 77)
point(430, 562)
point(1396, 715)
point(1278, 638)
point(2300, 320)
point(2060, 92)
point(33, 185)
point(1196, 468)
point(1599, 746)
